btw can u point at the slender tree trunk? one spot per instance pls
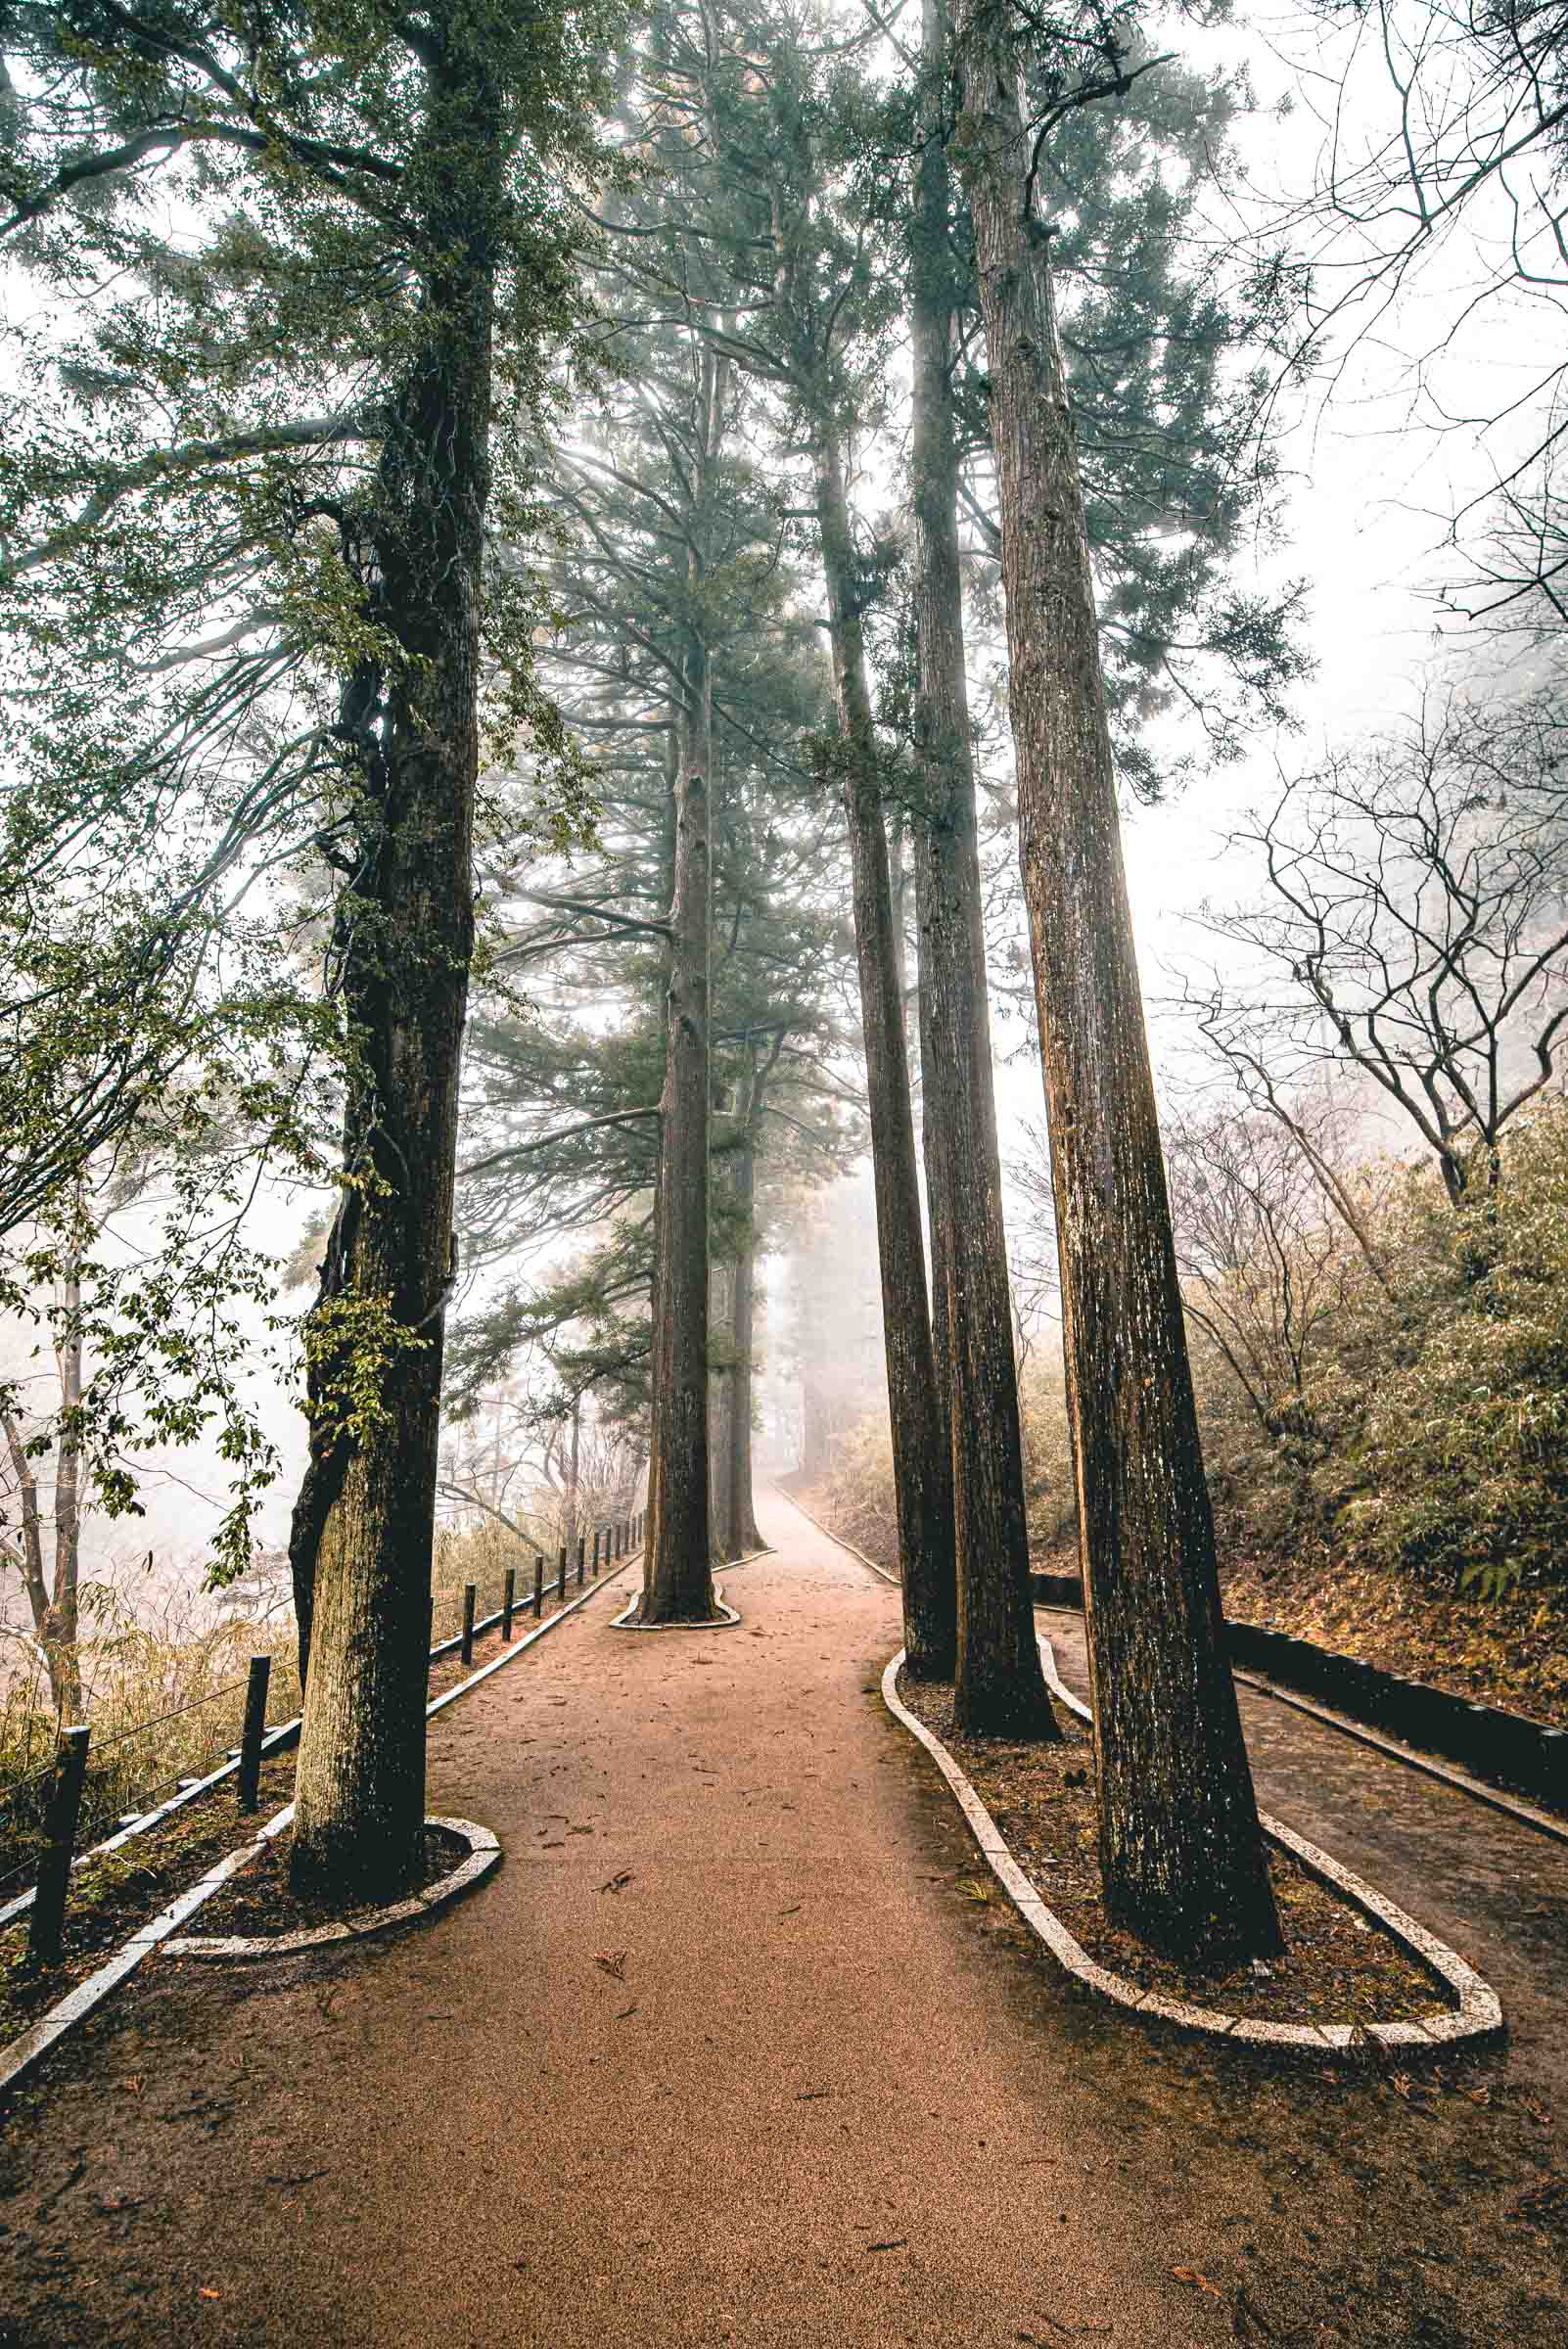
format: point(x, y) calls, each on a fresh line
point(677, 1582)
point(720, 1404)
point(936, 1226)
point(363, 1525)
point(817, 1451)
point(738, 1533)
point(61, 1625)
point(573, 1463)
point(921, 1469)
point(28, 1559)
point(1180, 1849)
point(1000, 1688)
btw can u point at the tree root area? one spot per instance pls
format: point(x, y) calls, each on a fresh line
point(260, 1902)
point(1337, 1965)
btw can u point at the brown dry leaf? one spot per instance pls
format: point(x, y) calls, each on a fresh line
point(209, 2291)
point(135, 2084)
point(1199, 2283)
point(611, 1962)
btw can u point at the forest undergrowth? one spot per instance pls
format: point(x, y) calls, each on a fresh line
point(1389, 1468)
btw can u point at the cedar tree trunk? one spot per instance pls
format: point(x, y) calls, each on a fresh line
point(1180, 1850)
point(737, 1523)
point(921, 1469)
point(363, 1525)
point(1000, 1688)
point(677, 1582)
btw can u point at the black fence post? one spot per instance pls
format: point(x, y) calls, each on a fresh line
point(469, 1595)
point(538, 1588)
point(256, 1722)
point(509, 1602)
point(560, 1584)
point(581, 1561)
point(48, 1918)
point(595, 1554)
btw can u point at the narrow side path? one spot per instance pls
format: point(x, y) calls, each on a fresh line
point(1490, 1886)
point(728, 2051)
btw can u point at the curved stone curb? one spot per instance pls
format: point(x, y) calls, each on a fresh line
point(483, 1854)
point(1477, 2014)
point(726, 1616)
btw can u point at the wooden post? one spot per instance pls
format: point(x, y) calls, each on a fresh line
point(595, 1554)
point(561, 1587)
point(60, 1828)
point(581, 1560)
point(538, 1588)
point(469, 1597)
point(256, 1722)
point(509, 1602)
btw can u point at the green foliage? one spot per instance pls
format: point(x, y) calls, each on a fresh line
point(1430, 1432)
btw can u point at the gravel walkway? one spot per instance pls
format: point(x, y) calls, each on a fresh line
point(728, 2051)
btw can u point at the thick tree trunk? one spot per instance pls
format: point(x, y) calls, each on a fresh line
point(677, 1582)
point(364, 1522)
point(1180, 1849)
point(1000, 1688)
point(921, 1469)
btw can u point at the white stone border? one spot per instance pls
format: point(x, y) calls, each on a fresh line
point(483, 1854)
point(726, 1614)
point(1478, 2012)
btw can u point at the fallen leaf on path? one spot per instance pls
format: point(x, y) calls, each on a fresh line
point(1198, 2282)
point(617, 1883)
point(611, 1962)
point(897, 2243)
point(795, 1912)
point(621, 2013)
point(135, 2084)
point(809, 2095)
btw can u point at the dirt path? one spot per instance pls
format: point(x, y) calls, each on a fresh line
point(790, 2083)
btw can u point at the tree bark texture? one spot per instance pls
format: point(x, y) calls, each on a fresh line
point(677, 1582)
point(1180, 1850)
point(922, 1470)
point(999, 1687)
point(738, 1533)
point(363, 1524)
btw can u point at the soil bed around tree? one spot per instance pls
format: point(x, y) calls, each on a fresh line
point(260, 1902)
point(113, 1897)
point(1338, 1966)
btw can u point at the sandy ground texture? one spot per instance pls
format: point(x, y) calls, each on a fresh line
point(729, 2051)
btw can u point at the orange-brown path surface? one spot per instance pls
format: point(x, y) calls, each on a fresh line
point(728, 2051)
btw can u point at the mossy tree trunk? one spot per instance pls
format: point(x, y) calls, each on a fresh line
point(363, 1525)
point(1180, 1850)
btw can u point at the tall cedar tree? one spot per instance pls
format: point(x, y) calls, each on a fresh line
point(389, 215)
point(1180, 1849)
point(994, 1618)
